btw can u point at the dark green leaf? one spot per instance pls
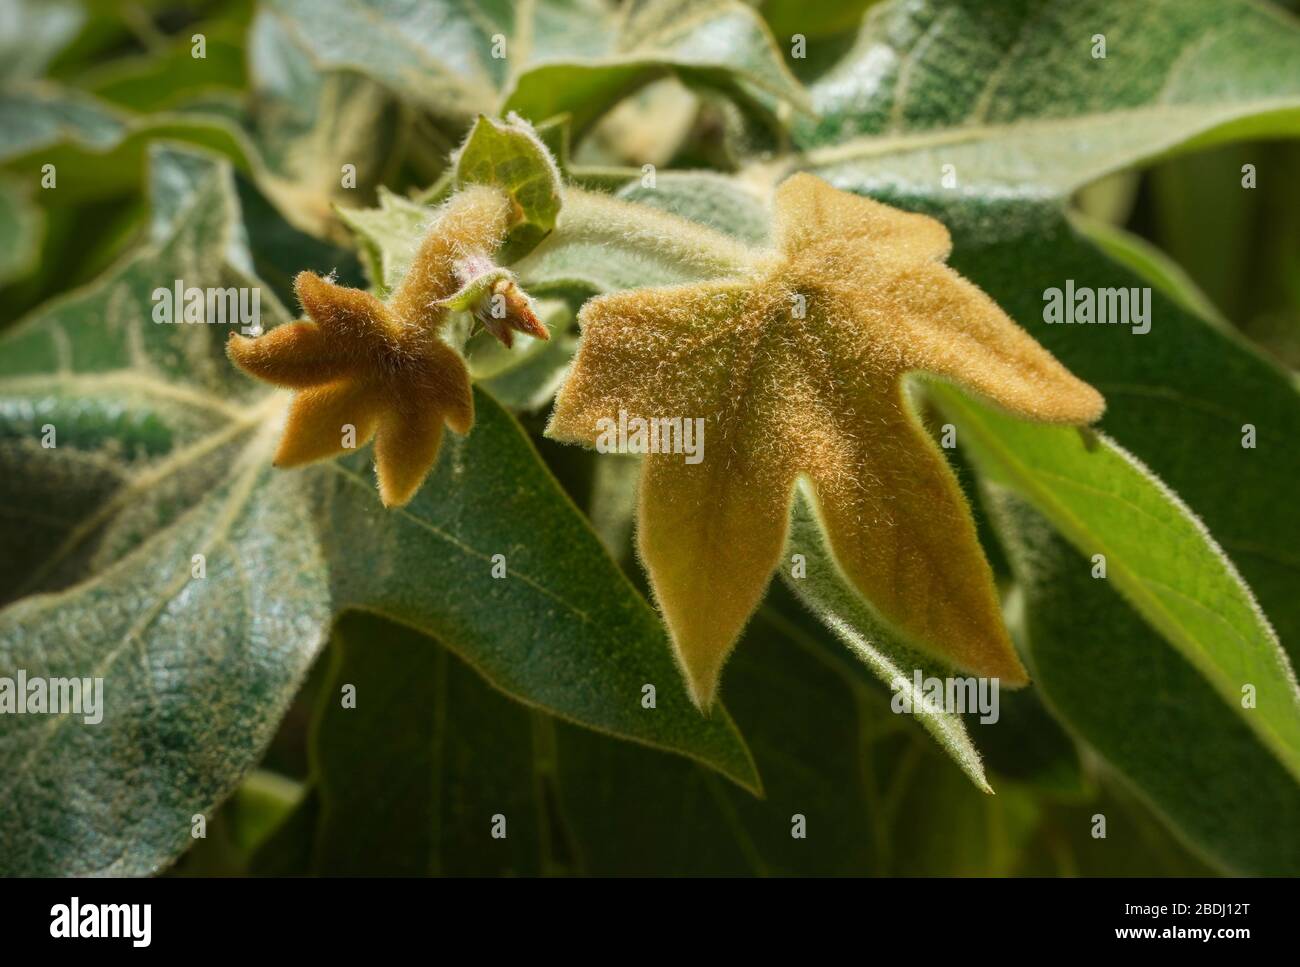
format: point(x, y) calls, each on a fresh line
point(572, 57)
point(163, 452)
point(1147, 710)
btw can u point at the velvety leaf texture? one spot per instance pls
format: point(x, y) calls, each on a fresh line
point(944, 83)
point(294, 331)
point(1148, 711)
point(993, 150)
point(540, 59)
point(161, 453)
point(794, 367)
point(1158, 555)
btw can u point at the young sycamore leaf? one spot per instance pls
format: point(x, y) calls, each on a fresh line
point(510, 155)
point(382, 368)
point(796, 365)
point(163, 452)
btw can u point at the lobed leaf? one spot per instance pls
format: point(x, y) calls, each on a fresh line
point(163, 453)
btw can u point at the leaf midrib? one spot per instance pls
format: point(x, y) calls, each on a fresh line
point(353, 477)
point(135, 485)
point(1207, 116)
point(240, 493)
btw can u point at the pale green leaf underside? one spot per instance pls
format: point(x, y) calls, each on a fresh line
point(1011, 96)
point(1157, 721)
point(33, 32)
point(540, 59)
point(388, 237)
point(1159, 556)
point(307, 124)
point(35, 116)
point(604, 244)
point(827, 593)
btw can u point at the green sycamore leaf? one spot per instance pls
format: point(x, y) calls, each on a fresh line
point(813, 20)
point(831, 751)
point(445, 756)
point(387, 237)
point(160, 451)
point(510, 154)
point(540, 59)
point(720, 202)
point(1152, 715)
point(34, 32)
point(1153, 549)
point(307, 125)
point(1014, 100)
point(168, 75)
point(1136, 842)
point(1179, 398)
point(36, 115)
point(430, 745)
point(300, 128)
point(604, 243)
point(155, 455)
point(564, 630)
point(96, 151)
point(1020, 139)
point(77, 147)
point(1152, 264)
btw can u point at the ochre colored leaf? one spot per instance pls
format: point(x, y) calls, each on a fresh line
point(317, 416)
point(363, 367)
point(956, 331)
point(474, 223)
point(809, 212)
point(797, 368)
point(405, 445)
point(295, 355)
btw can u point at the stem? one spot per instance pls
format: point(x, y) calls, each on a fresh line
point(598, 218)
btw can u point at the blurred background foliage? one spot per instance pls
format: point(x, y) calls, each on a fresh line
point(404, 783)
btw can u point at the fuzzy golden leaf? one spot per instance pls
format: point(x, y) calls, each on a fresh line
point(797, 368)
point(381, 368)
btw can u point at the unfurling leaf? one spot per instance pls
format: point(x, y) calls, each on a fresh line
point(495, 299)
point(510, 155)
point(378, 368)
point(796, 367)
